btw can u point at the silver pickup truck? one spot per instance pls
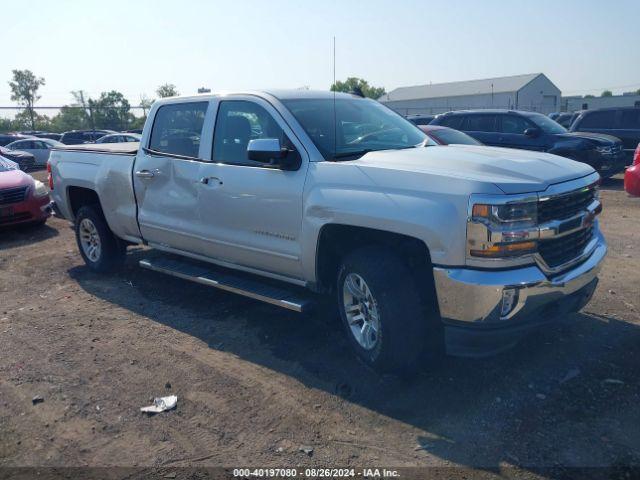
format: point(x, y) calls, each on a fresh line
point(284, 195)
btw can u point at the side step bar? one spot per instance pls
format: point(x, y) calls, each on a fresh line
point(252, 287)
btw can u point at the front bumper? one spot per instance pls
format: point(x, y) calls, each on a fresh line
point(471, 302)
point(33, 209)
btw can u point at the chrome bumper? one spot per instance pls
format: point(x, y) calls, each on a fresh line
point(475, 297)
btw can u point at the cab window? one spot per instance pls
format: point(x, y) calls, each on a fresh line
point(513, 124)
point(177, 128)
point(237, 123)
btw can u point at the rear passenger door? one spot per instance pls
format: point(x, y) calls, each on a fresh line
point(166, 176)
point(482, 127)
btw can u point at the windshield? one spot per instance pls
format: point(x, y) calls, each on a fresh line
point(546, 124)
point(362, 125)
point(7, 165)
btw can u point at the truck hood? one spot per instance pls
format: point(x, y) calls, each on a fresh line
point(597, 138)
point(512, 171)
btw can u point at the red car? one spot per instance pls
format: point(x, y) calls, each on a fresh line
point(22, 198)
point(632, 175)
point(447, 136)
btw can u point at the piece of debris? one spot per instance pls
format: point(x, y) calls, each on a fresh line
point(279, 449)
point(161, 404)
point(306, 449)
point(37, 399)
point(167, 386)
point(170, 475)
point(612, 292)
point(541, 396)
point(571, 374)
point(613, 381)
point(317, 406)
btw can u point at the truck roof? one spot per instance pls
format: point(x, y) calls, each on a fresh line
point(279, 94)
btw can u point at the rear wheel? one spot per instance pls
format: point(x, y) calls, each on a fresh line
point(381, 310)
point(101, 250)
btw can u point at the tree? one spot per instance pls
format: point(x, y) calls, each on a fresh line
point(167, 90)
point(352, 84)
point(589, 96)
point(606, 93)
point(111, 111)
point(24, 90)
point(145, 103)
point(638, 92)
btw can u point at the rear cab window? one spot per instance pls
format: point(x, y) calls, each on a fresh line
point(630, 119)
point(177, 129)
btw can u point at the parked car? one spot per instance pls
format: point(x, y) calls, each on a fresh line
point(440, 135)
point(119, 138)
point(52, 136)
point(567, 118)
point(77, 137)
point(632, 175)
point(534, 131)
point(554, 115)
point(464, 248)
point(622, 122)
point(26, 161)
point(40, 148)
point(420, 119)
point(6, 138)
point(22, 198)
point(134, 130)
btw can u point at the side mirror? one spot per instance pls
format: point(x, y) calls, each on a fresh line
point(270, 151)
point(532, 132)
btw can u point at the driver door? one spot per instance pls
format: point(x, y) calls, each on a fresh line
point(251, 212)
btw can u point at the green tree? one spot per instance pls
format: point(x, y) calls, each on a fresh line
point(110, 111)
point(589, 96)
point(24, 90)
point(606, 93)
point(352, 84)
point(145, 103)
point(71, 117)
point(638, 92)
point(167, 90)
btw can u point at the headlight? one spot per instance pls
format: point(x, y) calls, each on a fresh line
point(607, 150)
point(502, 231)
point(40, 189)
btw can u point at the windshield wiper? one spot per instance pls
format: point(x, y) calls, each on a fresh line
point(356, 154)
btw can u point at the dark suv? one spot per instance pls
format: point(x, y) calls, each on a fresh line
point(534, 131)
point(622, 122)
point(420, 119)
point(76, 137)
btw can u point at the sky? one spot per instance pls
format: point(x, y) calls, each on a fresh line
point(134, 46)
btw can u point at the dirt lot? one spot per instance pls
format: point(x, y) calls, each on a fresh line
point(255, 383)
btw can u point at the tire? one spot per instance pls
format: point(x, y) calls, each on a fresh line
point(394, 307)
point(92, 231)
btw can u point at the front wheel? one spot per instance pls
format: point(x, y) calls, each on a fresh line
point(381, 310)
point(101, 250)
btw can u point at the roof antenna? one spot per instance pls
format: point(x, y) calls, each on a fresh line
point(335, 126)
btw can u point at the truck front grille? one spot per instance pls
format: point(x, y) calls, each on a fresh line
point(12, 195)
point(558, 251)
point(565, 206)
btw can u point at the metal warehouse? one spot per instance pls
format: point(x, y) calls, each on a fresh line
point(532, 91)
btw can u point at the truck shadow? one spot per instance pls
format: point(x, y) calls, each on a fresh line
point(548, 402)
point(14, 236)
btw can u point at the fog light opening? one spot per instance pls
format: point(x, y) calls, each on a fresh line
point(509, 301)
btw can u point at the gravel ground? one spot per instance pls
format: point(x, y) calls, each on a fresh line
point(256, 383)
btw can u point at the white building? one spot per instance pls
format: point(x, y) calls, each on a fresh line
point(571, 104)
point(533, 92)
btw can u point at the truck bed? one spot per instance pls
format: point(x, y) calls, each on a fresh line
point(128, 148)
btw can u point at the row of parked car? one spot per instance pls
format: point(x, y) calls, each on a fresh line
point(32, 149)
point(605, 139)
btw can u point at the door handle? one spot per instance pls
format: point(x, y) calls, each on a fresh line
point(210, 181)
point(147, 173)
